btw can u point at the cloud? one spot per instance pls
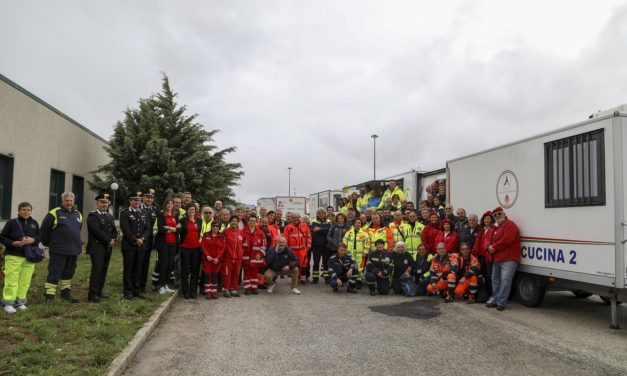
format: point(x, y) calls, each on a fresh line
point(306, 84)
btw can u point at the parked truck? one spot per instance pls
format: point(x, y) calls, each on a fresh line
point(566, 191)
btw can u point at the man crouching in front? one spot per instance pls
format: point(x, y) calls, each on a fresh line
point(343, 269)
point(281, 260)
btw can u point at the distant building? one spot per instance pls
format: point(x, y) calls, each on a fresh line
point(43, 153)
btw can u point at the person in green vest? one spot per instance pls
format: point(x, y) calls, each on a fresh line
point(392, 190)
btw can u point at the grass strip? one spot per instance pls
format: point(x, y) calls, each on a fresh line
point(72, 339)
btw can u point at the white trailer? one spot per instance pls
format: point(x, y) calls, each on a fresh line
point(324, 199)
point(408, 181)
point(566, 191)
point(266, 202)
point(292, 204)
point(427, 178)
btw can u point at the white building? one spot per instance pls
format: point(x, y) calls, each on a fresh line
point(43, 152)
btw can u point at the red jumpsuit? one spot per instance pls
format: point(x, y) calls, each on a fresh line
point(471, 268)
point(274, 234)
point(232, 260)
point(299, 240)
point(214, 246)
point(254, 257)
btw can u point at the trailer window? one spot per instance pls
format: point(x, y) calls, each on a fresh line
point(575, 171)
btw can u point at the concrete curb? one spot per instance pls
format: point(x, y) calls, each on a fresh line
point(121, 362)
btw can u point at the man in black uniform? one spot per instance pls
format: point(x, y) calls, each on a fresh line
point(151, 211)
point(135, 226)
point(343, 268)
point(102, 235)
point(379, 269)
point(61, 232)
point(319, 229)
point(403, 264)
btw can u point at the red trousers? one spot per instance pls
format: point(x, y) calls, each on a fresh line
point(230, 275)
point(251, 277)
point(303, 261)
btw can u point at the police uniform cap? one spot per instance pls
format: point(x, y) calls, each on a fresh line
point(379, 241)
point(103, 197)
point(135, 195)
point(150, 193)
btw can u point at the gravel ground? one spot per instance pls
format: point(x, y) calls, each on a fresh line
point(323, 333)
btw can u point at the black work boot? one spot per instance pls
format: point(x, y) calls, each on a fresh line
point(372, 292)
point(314, 280)
point(67, 296)
point(358, 284)
point(93, 298)
point(351, 290)
point(49, 298)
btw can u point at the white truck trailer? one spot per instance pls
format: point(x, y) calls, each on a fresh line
point(324, 199)
point(566, 191)
point(266, 202)
point(292, 204)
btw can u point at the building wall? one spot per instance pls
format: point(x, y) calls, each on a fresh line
point(40, 138)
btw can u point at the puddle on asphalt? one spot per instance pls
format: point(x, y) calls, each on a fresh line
point(415, 309)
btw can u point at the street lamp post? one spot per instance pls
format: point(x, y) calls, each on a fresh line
point(114, 188)
point(374, 139)
point(289, 181)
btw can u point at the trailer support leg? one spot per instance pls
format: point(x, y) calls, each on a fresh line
point(614, 313)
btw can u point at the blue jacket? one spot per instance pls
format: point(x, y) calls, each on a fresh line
point(277, 260)
point(373, 202)
point(11, 232)
point(61, 232)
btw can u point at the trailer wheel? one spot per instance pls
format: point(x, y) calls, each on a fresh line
point(529, 290)
point(580, 294)
point(607, 300)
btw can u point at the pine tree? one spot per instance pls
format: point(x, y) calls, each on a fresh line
point(158, 146)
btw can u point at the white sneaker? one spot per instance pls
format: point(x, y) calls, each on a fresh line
point(271, 288)
point(9, 309)
point(169, 290)
point(22, 307)
point(295, 291)
point(162, 290)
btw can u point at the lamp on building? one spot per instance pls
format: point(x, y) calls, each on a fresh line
point(114, 187)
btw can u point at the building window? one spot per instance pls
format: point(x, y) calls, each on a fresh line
point(78, 186)
point(6, 186)
point(57, 186)
point(575, 171)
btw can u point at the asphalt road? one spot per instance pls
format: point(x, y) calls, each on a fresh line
point(322, 333)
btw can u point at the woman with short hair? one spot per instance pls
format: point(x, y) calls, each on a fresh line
point(18, 271)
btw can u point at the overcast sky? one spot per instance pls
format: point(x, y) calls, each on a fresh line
point(305, 83)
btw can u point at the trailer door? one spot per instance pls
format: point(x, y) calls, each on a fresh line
point(620, 170)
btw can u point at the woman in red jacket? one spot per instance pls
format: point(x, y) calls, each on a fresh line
point(190, 254)
point(448, 236)
point(232, 260)
point(480, 249)
point(430, 232)
point(213, 246)
point(254, 255)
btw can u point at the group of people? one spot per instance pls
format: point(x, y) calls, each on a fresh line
point(386, 242)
